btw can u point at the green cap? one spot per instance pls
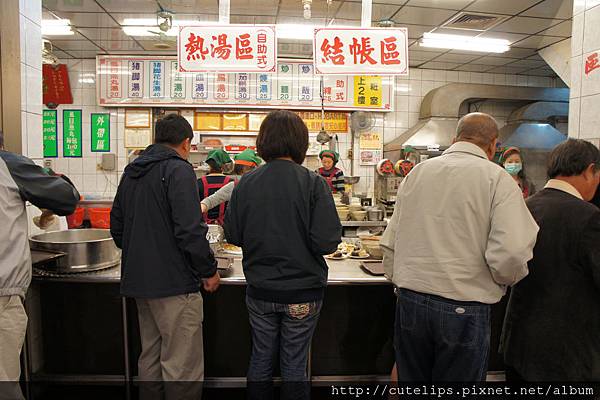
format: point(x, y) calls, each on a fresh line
point(331, 154)
point(219, 156)
point(247, 157)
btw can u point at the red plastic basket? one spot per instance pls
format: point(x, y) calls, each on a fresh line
point(75, 220)
point(99, 217)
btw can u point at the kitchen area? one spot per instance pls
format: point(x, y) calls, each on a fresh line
point(94, 77)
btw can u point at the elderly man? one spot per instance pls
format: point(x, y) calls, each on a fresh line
point(460, 234)
point(553, 319)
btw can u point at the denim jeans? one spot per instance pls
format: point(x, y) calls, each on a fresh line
point(286, 329)
point(441, 340)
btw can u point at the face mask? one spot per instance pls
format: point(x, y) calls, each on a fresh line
point(513, 169)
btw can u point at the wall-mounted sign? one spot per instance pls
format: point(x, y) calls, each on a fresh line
point(361, 51)
point(371, 141)
point(56, 88)
point(137, 138)
point(135, 118)
point(591, 63)
point(293, 86)
point(100, 129)
point(229, 48)
point(49, 130)
point(334, 121)
point(72, 133)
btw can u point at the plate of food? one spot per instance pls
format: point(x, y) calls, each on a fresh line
point(359, 254)
point(232, 249)
point(338, 255)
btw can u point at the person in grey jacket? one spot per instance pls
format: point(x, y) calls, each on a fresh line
point(21, 181)
point(244, 162)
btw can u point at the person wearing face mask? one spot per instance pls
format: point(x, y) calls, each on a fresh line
point(512, 161)
point(552, 322)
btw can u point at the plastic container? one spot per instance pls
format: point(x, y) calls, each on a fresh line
point(75, 220)
point(99, 217)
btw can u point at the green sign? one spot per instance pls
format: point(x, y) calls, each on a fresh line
point(49, 131)
point(72, 133)
point(100, 132)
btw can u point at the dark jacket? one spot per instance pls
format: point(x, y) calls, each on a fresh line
point(21, 180)
point(284, 218)
point(156, 220)
point(552, 326)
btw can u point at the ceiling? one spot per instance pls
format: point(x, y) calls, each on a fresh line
point(529, 25)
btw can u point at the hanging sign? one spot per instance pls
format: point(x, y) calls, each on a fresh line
point(72, 133)
point(227, 48)
point(100, 132)
point(361, 51)
point(56, 88)
point(49, 130)
point(294, 85)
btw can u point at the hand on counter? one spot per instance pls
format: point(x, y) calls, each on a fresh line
point(211, 284)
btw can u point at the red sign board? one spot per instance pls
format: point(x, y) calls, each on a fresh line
point(55, 84)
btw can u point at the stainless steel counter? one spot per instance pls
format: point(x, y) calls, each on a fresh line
point(342, 272)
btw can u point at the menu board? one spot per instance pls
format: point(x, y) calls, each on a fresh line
point(157, 81)
point(49, 130)
point(72, 133)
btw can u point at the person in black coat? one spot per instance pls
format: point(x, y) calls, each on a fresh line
point(552, 325)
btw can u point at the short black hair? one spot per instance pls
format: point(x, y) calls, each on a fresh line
point(572, 157)
point(172, 129)
point(214, 167)
point(282, 134)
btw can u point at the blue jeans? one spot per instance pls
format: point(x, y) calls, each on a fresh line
point(441, 340)
point(286, 329)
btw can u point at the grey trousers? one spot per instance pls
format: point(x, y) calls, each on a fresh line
point(171, 336)
point(13, 324)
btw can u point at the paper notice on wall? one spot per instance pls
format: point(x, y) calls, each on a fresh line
point(371, 141)
point(370, 157)
point(138, 138)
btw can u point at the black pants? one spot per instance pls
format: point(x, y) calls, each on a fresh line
point(440, 340)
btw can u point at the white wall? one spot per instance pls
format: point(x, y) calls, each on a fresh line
point(408, 96)
point(30, 15)
point(584, 108)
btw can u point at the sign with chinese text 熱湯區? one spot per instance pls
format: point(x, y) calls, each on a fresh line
point(100, 132)
point(72, 133)
point(56, 88)
point(229, 48)
point(50, 134)
point(293, 86)
point(361, 51)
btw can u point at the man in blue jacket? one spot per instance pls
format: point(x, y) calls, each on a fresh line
point(156, 220)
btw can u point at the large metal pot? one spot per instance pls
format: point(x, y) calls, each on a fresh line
point(86, 249)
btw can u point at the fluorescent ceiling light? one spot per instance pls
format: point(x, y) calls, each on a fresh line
point(468, 43)
point(56, 27)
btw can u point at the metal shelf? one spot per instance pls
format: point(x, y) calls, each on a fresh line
point(363, 223)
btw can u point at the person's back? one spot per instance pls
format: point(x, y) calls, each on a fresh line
point(553, 318)
point(460, 234)
point(156, 221)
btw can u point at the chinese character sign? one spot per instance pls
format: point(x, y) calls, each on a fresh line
point(114, 81)
point(100, 132)
point(136, 79)
point(365, 51)
point(50, 139)
point(591, 63)
point(177, 82)
point(228, 48)
point(72, 133)
point(368, 91)
point(157, 79)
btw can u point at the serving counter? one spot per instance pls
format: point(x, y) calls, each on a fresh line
point(82, 330)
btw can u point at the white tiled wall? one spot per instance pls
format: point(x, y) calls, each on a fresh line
point(30, 34)
point(408, 96)
point(584, 106)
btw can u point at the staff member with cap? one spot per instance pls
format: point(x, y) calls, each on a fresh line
point(334, 176)
point(245, 162)
point(215, 180)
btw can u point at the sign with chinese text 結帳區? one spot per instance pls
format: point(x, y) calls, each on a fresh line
point(50, 138)
point(100, 132)
point(230, 48)
point(361, 51)
point(72, 133)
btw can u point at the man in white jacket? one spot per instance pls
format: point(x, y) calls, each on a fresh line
point(460, 234)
